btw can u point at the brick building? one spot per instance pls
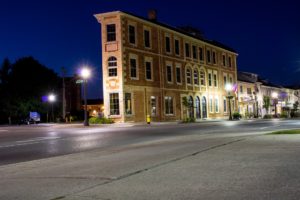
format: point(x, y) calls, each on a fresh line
point(150, 68)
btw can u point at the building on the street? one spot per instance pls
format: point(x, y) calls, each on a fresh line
point(95, 107)
point(150, 68)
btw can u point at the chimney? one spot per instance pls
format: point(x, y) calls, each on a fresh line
point(152, 15)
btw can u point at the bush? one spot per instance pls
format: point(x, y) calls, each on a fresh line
point(295, 114)
point(268, 116)
point(103, 120)
point(236, 115)
point(284, 114)
point(189, 120)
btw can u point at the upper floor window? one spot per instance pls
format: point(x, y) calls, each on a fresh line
point(168, 45)
point(133, 68)
point(214, 57)
point(178, 74)
point(202, 77)
point(194, 52)
point(229, 61)
point(188, 76)
point(249, 91)
point(148, 66)
point(215, 80)
point(147, 38)
point(177, 51)
point(224, 60)
point(187, 50)
point(169, 73)
point(241, 89)
point(209, 79)
point(131, 30)
point(225, 80)
point(208, 56)
point(201, 57)
point(112, 66)
point(196, 77)
point(111, 32)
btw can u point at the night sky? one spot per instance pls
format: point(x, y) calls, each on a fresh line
point(266, 34)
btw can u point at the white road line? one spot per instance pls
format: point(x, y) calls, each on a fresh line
point(28, 142)
point(269, 127)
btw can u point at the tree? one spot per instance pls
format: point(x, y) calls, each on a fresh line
point(267, 103)
point(22, 86)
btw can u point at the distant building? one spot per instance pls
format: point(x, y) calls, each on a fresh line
point(150, 68)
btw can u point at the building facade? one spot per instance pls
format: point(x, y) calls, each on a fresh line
point(150, 68)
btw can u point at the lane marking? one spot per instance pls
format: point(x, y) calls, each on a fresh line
point(29, 142)
point(269, 127)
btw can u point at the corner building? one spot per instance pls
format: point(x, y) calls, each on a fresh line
point(150, 68)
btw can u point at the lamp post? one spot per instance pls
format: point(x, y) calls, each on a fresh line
point(51, 99)
point(228, 88)
point(275, 99)
point(85, 73)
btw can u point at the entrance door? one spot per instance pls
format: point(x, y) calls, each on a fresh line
point(204, 108)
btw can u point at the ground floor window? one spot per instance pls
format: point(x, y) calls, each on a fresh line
point(216, 104)
point(128, 104)
point(210, 104)
point(114, 104)
point(169, 110)
point(225, 105)
point(153, 105)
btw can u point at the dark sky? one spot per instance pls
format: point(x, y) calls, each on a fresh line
point(266, 34)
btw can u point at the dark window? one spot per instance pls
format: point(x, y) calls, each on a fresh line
point(177, 47)
point(224, 60)
point(225, 80)
point(148, 70)
point(153, 105)
point(241, 89)
point(168, 47)
point(112, 66)
point(208, 56)
point(147, 38)
point(209, 79)
point(188, 76)
point(169, 105)
point(133, 69)
point(111, 32)
point(131, 34)
point(128, 104)
point(214, 57)
point(187, 50)
point(201, 54)
point(169, 73)
point(178, 74)
point(215, 80)
point(194, 52)
point(114, 103)
point(225, 104)
point(202, 77)
point(229, 61)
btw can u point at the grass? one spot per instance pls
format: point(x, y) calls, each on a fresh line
point(295, 131)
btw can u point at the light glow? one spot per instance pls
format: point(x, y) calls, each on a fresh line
point(228, 87)
point(274, 95)
point(51, 98)
point(85, 73)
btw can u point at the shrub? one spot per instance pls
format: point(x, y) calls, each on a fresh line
point(236, 115)
point(103, 120)
point(268, 116)
point(284, 114)
point(189, 120)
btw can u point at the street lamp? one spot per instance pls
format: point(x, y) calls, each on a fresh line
point(275, 99)
point(51, 99)
point(228, 88)
point(85, 73)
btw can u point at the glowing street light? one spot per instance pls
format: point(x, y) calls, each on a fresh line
point(51, 99)
point(85, 73)
point(229, 88)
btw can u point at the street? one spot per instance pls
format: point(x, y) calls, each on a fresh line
point(207, 160)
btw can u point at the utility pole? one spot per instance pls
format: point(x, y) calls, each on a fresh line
point(63, 71)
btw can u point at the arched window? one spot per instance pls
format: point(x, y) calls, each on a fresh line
point(188, 76)
point(196, 77)
point(191, 107)
point(198, 107)
point(202, 77)
point(112, 66)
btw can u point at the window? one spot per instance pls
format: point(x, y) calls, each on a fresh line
point(114, 104)
point(249, 91)
point(224, 104)
point(178, 74)
point(215, 80)
point(210, 104)
point(111, 32)
point(188, 77)
point(169, 106)
point(230, 79)
point(153, 105)
point(208, 56)
point(169, 73)
point(225, 80)
point(201, 57)
point(241, 89)
point(224, 60)
point(209, 79)
point(112, 66)
point(229, 61)
point(202, 77)
point(194, 52)
point(131, 30)
point(214, 57)
point(187, 50)
point(196, 78)
point(147, 38)
point(216, 104)
point(177, 47)
point(133, 68)
point(148, 66)
point(128, 104)
point(168, 46)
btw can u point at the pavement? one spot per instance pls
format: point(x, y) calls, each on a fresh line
point(182, 167)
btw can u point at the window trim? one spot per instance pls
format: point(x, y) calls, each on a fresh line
point(170, 46)
point(115, 33)
point(114, 115)
point(131, 104)
point(171, 67)
point(150, 60)
point(135, 57)
point(112, 67)
point(173, 102)
point(180, 74)
point(190, 76)
point(135, 33)
point(150, 37)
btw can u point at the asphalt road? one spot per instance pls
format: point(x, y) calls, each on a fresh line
point(25, 143)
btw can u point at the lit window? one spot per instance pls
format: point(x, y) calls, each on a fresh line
point(217, 104)
point(153, 105)
point(112, 66)
point(210, 104)
point(128, 104)
point(114, 104)
point(225, 105)
point(169, 106)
